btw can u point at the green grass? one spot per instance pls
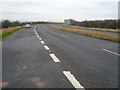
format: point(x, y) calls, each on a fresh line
point(100, 35)
point(7, 33)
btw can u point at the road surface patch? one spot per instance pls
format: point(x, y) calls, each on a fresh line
point(54, 58)
point(24, 67)
point(21, 57)
point(72, 79)
point(3, 84)
point(110, 51)
point(64, 35)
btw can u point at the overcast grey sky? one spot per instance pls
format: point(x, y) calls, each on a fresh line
point(58, 10)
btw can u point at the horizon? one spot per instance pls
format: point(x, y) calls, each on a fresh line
point(53, 21)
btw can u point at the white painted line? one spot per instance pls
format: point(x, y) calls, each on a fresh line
point(40, 38)
point(36, 32)
point(54, 58)
point(110, 51)
point(46, 47)
point(35, 28)
point(42, 42)
point(72, 79)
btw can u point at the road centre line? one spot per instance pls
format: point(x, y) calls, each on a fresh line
point(42, 42)
point(110, 51)
point(40, 38)
point(37, 34)
point(73, 80)
point(46, 47)
point(54, 58)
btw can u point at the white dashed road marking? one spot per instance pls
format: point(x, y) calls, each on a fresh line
point(72, 79)
point(40, 38)
point(54, 58)
point(46, 47)
point(42, 42)
point(110, 51)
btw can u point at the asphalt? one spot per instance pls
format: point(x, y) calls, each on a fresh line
point(26, 63)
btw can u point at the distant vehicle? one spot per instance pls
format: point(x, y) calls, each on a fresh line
point(27, 26)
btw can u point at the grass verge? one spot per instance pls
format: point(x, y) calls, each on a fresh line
point(97, 29)
point(6, 32)
point(100, 35)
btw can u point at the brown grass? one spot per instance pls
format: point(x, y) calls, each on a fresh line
point(97, 29)
point(100, 35)
point(8, 29)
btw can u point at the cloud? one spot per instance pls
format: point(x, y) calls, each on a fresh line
point(58, 10)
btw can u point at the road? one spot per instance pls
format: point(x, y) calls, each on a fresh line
point(44, 57)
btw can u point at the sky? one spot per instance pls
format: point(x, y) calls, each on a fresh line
point(58, 10)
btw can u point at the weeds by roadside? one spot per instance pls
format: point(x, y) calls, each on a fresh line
point(97, 29)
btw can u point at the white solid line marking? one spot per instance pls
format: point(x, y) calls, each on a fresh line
point(72, 79)
point(54, 58)
point(110, 51)
point(46, 47)
point(42, 42)
point(36, 32)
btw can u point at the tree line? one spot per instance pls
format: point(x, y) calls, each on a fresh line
point(109, 24)
point(8, 23)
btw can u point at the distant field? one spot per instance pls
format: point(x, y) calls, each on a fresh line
point(97, 29)
point(7, 31)
point(100, 35)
